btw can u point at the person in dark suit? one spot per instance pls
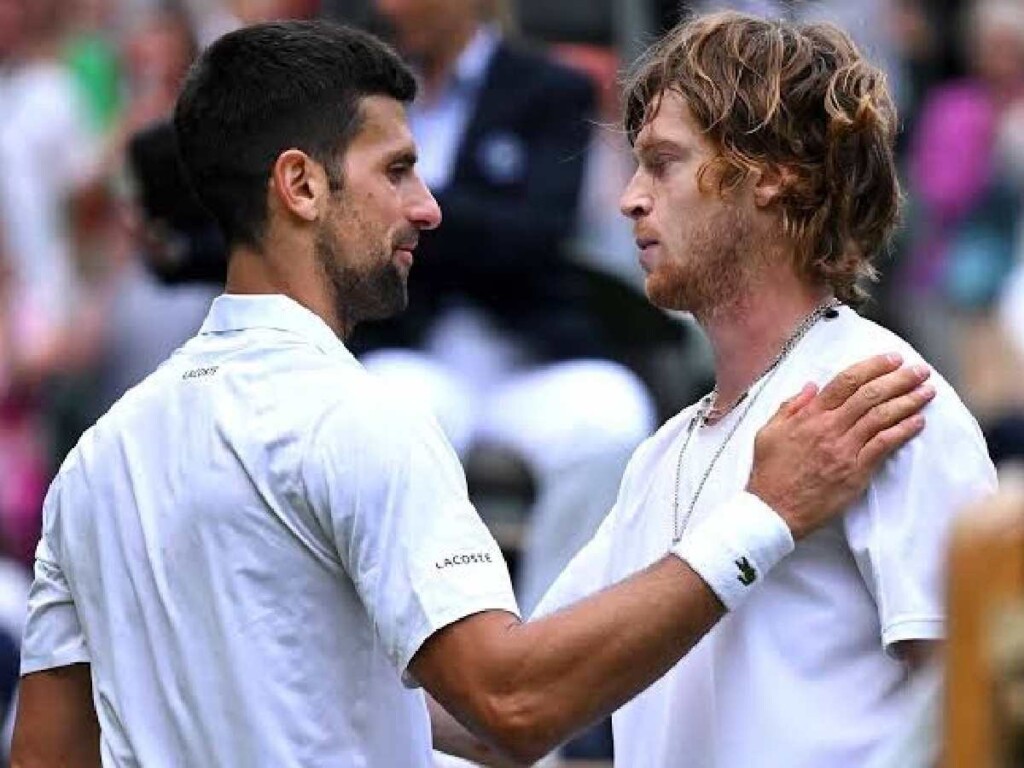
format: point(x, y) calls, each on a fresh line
point(517, 175)
point(507, 174)
point(498, 338)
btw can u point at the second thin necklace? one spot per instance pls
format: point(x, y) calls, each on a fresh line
point(679, 522)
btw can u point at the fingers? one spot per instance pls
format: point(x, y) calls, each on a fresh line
point(798, 401)
point(886, 442)
point(849, 381)
point(890, 413)
point(878, 391)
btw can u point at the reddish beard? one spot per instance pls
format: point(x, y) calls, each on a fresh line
point(716, 270)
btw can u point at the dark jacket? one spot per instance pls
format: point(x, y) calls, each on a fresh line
point(509, 207)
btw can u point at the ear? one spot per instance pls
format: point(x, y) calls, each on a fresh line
point(769, 184)
point(299, 184)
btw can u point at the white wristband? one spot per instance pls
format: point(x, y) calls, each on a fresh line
point(735, 547)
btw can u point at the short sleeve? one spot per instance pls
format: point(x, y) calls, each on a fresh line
point(899, 535)
point(389, 490)
point(53, 634)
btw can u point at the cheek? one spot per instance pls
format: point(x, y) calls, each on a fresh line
point(348, 237)
point(677, 233)
point(691, 217)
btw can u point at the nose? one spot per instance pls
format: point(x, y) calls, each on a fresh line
point(635, 201)
point(424, 211)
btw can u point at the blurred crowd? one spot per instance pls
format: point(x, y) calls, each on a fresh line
point(528, 333)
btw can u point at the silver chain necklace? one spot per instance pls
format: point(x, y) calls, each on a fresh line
point(707, 404)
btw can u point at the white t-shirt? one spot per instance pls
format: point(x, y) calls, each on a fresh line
point(798, 676)
point(250, 548)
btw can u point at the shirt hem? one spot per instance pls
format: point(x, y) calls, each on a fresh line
point(923, 628)
point(30, 664)
point(432, 624)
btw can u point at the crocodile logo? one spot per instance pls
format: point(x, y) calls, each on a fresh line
point(748, 575)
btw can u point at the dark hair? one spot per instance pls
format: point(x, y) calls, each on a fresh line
point(799, 99)
point(263, 89)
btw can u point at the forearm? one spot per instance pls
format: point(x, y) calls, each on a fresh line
point(546, 679)
point(585, 662)
point(918, 655)
point(56, 724)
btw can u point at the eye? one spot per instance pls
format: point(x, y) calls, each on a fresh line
point(657, 164)
point(398, 171)
point(400, 168)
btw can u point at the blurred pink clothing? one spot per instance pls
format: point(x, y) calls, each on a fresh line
point(951, 167)
point(23, 467)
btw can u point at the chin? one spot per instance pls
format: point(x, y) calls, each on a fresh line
point(393, 308)
point(663, 293)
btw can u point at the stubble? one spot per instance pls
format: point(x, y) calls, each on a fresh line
point(369, 288)
point(719, 271)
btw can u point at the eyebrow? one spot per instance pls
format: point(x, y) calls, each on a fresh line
point(658, 142)
point(646, 148)
point(405, 155)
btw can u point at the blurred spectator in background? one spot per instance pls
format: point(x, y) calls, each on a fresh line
point(156, 51)
point(507, 353)
point(49, 154)
point(91, 54)
point(44, 153)
point(213, 18)
point(146, 320)
point(964, 174)
point(16, 490)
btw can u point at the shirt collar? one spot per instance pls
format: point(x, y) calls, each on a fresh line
point(239, 312)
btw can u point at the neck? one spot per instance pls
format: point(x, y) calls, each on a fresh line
point(438, 64)
point(747, 335)
point(251, 271)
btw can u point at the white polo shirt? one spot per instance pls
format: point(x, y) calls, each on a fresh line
point(798, 676)
point(250, 547)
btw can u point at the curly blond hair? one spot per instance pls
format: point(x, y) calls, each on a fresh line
point(796, 99)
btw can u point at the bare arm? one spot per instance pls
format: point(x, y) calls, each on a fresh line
point(526, 687)
point(918, 654)
point(451, 737)
point(56, 725)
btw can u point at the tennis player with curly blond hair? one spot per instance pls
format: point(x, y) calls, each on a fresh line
point(765, 187)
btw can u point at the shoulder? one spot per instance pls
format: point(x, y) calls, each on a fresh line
point(834, 344)
point(370, 445)
point(951, 431)
point(363, 414)
point(837, 344)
